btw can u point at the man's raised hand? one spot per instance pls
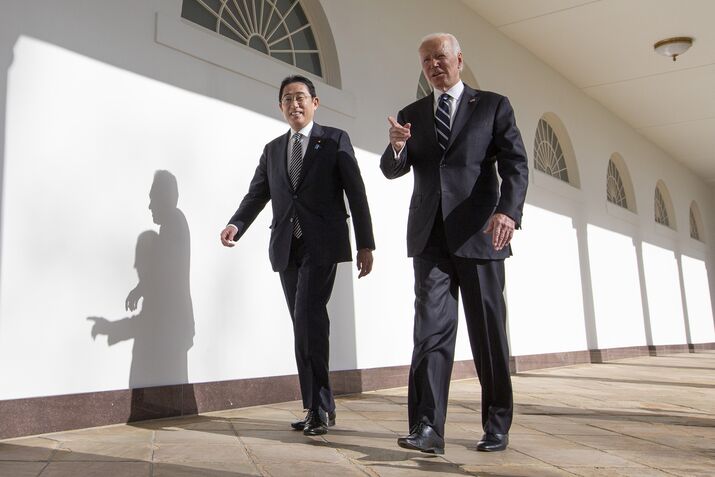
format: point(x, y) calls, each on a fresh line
point(399, 134)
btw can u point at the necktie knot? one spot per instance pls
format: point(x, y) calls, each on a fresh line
point(297, 137)
point(444, 97)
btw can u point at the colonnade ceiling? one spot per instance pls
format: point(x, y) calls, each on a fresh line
point(605, 48)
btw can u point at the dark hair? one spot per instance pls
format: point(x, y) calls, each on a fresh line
point(296, 79)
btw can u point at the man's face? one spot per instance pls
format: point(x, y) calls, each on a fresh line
point(157, 211)
point(297, 105)
point(440, 64)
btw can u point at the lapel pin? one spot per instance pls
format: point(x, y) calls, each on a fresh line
point(472, 100)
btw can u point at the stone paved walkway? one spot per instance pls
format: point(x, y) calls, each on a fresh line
point(648, 416)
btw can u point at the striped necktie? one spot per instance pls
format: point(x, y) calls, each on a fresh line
point(442, 121)
point(296, 164)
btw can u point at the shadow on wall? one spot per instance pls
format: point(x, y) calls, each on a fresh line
point(163, 329)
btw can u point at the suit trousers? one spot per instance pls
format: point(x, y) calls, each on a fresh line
point(307, 288)
point(439, 276)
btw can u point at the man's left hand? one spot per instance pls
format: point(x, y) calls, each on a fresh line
point(364, 261)
point(502, 229)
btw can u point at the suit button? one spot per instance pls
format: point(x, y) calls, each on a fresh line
point(295, 196)
point(291, 220)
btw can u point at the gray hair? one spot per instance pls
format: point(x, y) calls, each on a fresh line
point(435, 36)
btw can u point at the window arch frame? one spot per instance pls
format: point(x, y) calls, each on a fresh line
point(696, 219)
point(620, 165)
point(322, 34)
point(567, 150)
point(466, 75)
point(662, 190)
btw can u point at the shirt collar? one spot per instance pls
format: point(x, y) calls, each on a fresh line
point(305, 131)
point(455, 92)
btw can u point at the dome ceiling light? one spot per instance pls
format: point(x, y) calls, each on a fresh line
point(673, 47)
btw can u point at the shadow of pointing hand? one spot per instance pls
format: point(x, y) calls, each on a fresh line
point(100, 326)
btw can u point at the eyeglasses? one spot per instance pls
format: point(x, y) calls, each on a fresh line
point(300, 98)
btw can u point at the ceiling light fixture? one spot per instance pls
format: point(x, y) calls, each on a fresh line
point(673, 47)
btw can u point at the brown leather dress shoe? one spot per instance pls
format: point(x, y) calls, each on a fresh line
point(493, 442)
point(424, 439)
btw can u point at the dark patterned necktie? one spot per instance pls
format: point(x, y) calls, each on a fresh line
point(442, 121)
point(296, 164)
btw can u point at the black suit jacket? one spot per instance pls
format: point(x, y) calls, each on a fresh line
point(329, 168)
point(484, 139)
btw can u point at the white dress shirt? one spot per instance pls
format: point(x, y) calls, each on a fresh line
point(305, 139)
point(455, 95)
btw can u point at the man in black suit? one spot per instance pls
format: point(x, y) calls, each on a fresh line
point(304, 174)
point(458, 233)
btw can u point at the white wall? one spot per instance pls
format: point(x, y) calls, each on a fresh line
point(94, 105)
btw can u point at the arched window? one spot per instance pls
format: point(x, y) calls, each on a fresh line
point(424, 87)
point(696, 222)
point(663, 206)
point(553, 154)
point(619, 188)
point(278, 28)
point(615, 192)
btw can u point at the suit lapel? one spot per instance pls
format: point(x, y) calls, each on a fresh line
point(282, 159)
point(426, 118)
point(467, 105)
point(314, 145)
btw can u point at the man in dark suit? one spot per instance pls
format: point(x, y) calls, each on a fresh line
point(458, 232)
point(304, 173)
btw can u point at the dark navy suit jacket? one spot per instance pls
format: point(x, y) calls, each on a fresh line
point(329, 169)
point(484, 140)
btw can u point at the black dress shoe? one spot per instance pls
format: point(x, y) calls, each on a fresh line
point(423, 438)
point(300, 425)
point(316, 423)
point(493, 442)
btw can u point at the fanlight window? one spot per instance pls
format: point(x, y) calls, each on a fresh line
point(277, 28)
point(548, 155)
point(615, 192)
point(423, 87)
point(694, 232)
point(661, 212)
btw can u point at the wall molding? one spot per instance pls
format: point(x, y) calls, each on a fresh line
point(40, 415)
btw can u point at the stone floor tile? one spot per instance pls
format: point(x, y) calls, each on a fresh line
point(21, 469)
point(670, 458)
point(418, 467)
point(27, 449)
point(617, 472)
point(177, 436)
point(263, 436)
point(313, 469)
point(583, 457)
point(97, 469)
point(517, 471)
point(316, 451)
point(205, 469)
point(100, 450)
point(200, 452)
point(466, 456)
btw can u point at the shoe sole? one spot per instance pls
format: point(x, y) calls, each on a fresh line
point(432, 450)
point(498, 449)
point(331, 423)
point(315, 433)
